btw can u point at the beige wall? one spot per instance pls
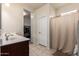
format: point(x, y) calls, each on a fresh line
point(12, 18)
point(33, 27)
point(40, 12)
point(52, 11)
point(45, 10)
point(68, 7)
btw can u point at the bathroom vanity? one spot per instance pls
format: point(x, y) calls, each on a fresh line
point(16, 45)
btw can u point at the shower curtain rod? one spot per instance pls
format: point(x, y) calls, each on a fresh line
point(61, 15)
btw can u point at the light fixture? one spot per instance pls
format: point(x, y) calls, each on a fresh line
point(73, 11)
point(7, 4)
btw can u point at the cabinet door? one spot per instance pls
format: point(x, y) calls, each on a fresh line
point(17, 49)
point(20, 49)
point(5, 51)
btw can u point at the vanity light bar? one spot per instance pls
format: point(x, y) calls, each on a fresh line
point(73, 11)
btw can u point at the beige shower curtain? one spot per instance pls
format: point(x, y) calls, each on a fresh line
point(63, 32)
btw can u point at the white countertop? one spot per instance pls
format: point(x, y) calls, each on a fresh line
point(12, 39)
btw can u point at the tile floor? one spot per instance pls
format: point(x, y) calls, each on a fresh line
point(38, 50)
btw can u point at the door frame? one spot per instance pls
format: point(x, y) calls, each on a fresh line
point(23, 19)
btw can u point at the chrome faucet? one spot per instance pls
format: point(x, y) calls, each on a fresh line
point(7, 35)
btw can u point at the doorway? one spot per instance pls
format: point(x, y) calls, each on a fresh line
point(27, 23)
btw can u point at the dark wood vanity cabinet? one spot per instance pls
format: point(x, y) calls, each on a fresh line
point(16, 49)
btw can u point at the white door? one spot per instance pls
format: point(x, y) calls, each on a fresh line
point(43, 30)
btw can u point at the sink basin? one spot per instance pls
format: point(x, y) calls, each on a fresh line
point(12, 38)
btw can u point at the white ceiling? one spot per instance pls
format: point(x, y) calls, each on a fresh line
point(59, 5)
point(34, 6)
